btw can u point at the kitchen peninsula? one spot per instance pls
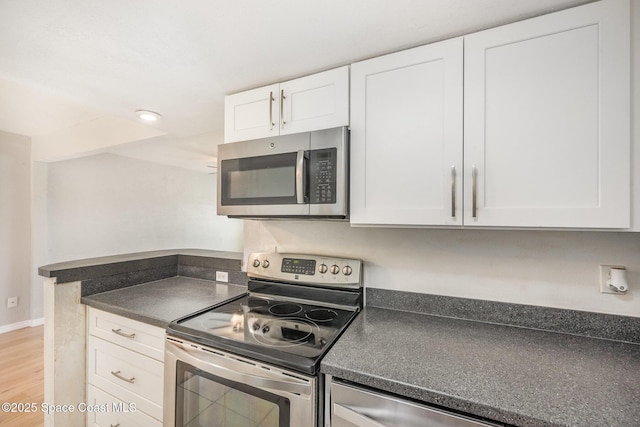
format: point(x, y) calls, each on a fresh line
point(151, 287)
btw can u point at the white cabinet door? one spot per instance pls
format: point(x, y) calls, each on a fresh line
point(252, 114)
point(319, 101)
point(406, 137)
point(546, 108)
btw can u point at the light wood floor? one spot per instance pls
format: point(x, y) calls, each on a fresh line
point(22, 375)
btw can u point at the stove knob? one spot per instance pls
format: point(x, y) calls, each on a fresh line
point(265, 330)
point(265, 263)
point(256, 263)
point(256, 326)
point(346, 270)
point(322, 268)
point(335, 269)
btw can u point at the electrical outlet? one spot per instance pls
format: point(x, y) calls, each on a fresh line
point(605, 274)
point(12, 302)
point(222, 276)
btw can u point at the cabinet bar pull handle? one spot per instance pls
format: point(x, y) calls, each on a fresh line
point(117, 425)
point(282, 98)
point(122, 334)
point(474, 192)
point(453, 191)
point(120, 377)
point(271, 99)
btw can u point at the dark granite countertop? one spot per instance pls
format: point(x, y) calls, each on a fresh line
point(159, 302)
point(90, 268)
point(513, 375)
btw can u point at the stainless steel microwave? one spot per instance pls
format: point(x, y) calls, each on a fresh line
point(304, 175)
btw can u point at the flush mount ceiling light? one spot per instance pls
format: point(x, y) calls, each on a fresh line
point(148, 116)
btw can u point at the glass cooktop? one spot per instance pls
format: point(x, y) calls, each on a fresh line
point(288, 333)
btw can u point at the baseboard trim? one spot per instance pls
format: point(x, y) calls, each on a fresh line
point(36, 322)
point(19, 325)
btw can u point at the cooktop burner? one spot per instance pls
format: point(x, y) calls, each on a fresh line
point(285, 309)
point(286, 323)
point(321, 315)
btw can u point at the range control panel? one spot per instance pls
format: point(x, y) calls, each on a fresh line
point(299, 266)
point(309, 269)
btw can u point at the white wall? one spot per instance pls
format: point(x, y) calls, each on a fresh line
point(548, 268)
point(15, 227)
point(108, 204)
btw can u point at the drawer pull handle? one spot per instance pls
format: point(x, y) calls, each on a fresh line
point(122, 334)
point(120, 377)
point(117, 425)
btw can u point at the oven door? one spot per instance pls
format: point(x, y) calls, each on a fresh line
point(206, 387)
point(266, 177)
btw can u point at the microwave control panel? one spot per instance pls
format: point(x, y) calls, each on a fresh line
point(322, 176)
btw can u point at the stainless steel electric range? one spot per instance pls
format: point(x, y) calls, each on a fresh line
point(255, 361)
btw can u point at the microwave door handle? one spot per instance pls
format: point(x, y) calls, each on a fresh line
point(300, 177)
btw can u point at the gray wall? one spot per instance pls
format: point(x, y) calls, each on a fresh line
point(39, 235)
point(15, 227)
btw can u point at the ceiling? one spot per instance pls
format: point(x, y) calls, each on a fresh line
point(72, 72)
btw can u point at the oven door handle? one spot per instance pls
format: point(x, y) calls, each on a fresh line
point(184, 354)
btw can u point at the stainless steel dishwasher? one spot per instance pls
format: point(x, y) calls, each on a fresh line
point(355, 406)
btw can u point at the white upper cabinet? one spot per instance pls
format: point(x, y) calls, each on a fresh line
point(546, 125)
point(547, 121)
point(251, 114)
point(406, 137)
point(318, 101)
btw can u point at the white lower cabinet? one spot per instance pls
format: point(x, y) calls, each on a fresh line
point(125, 371)
point(105, 410)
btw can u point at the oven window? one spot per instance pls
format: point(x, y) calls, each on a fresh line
point(203, 399)
point(259, 180)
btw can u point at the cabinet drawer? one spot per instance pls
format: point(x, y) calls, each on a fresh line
point(114, 412)
point(130, 376)
point(131, 334)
